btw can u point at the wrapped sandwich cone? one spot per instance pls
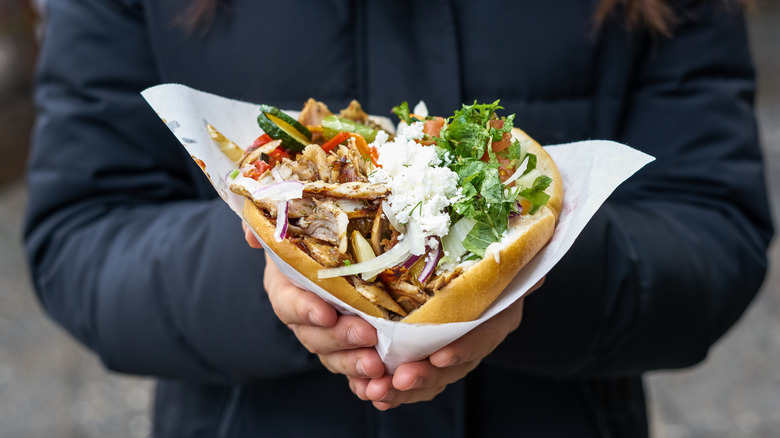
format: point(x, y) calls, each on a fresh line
point(468, 294)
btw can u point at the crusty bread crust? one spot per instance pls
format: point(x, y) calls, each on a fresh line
point(296, 257)
point(469, 294)
point(466, 296)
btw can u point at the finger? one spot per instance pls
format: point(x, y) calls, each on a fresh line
point(363, 363)
point(381, 389)
point(358, 386)
point(294, 305)
point(410, 397)
point(405, 397)
point(414, 375)
point(535, 287)
point(479, 342)
point(348, 333)
point(422, 376)
point(250, 237)
point(384, 406)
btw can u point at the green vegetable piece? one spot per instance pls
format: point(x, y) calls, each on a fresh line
point(332, 125)
point(535, 194)
point(479, 238)
point(294, 136)
point(402, 111)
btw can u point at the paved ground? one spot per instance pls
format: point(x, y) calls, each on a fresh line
point(51, 387)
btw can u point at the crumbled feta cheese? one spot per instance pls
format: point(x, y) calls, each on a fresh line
point(380, 139)
point(412, 132)
point(421, 188)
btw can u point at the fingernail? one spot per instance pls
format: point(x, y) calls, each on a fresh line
point(360, 368)
point(315, 319)
point(353, 338)
point(451, 361)
point(389, 395)
point(418, 382)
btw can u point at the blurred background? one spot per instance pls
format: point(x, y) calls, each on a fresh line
point(51, 386)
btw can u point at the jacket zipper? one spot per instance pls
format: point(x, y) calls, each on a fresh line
point(229, 412)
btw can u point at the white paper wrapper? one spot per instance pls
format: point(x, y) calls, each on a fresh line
point(591, 171)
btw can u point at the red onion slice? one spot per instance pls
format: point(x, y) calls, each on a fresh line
point(410, 261)
point(281, 220)
point(281, 191)
point(431, 260)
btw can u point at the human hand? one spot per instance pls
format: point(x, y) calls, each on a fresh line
point(250, 237)
point(344, 343)
point(423, 380)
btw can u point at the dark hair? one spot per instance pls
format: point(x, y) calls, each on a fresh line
point(656, 16)
point(198, 15)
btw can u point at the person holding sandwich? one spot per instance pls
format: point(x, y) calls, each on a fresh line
point(133, 253)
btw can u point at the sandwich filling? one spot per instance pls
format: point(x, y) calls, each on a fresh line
point(397, 215)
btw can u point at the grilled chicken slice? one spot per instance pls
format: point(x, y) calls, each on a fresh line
point(362, 165)
point(378, 228)
point(302, 168)
point(323, 253)
point(313, 112)
point(377, 295)
point(356, 208)
point(354, 112)
point(343, 170)
point(350, 190)
point(328, 223)
point(407, 295)
point(316, 155)
point(440, 281)
point(296, 208)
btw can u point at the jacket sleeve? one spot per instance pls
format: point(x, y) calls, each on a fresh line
point(129, 250)
point(677, 253)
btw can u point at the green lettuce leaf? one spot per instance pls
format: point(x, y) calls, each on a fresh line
point(535, 194)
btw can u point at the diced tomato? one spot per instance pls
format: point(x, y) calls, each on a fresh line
point(498, 146)
point(262, 166)
point(496, 124)
point(433, 126)
point(335, 141)
point(504, 143)
point(259, 168)
point(277, 154)
point(263, 139)
point(505, 169)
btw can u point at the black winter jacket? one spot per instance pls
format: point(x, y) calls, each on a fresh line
point(132, 253)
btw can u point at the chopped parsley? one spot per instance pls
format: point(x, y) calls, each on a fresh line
point(402, 111)
point(467, 139)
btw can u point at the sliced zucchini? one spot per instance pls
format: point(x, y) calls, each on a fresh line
point(294, 136)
